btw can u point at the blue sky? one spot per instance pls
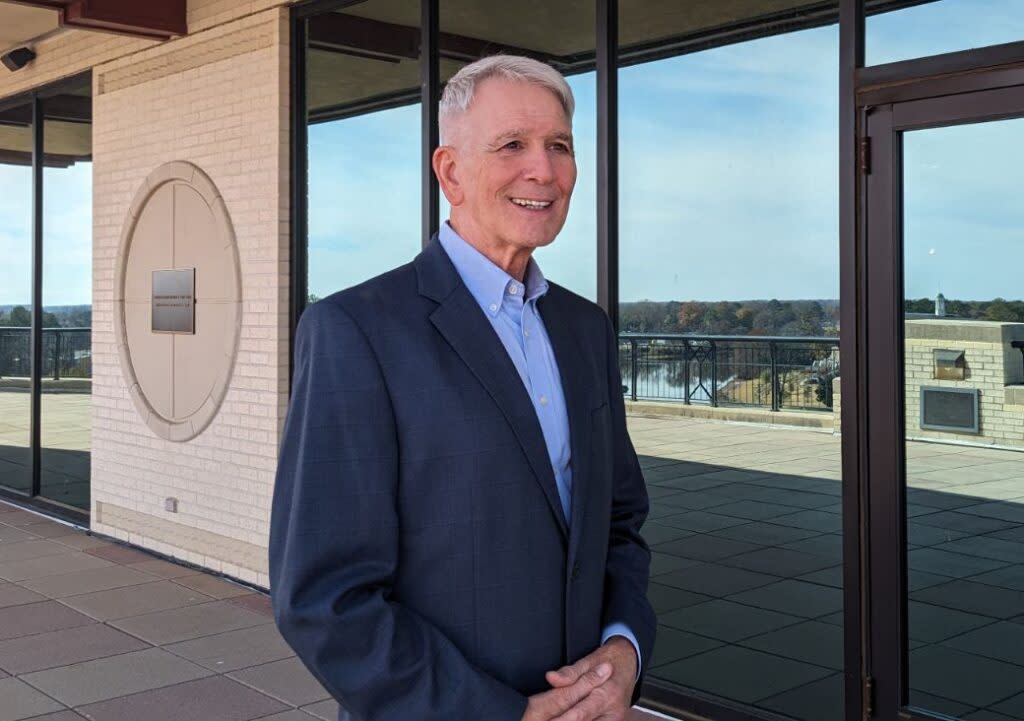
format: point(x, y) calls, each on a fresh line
point(728, 175)
point(728, 180)
point(67, 224)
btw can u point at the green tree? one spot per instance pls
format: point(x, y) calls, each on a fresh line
point(1000, 310)
point(809, 317)
point(20, 318)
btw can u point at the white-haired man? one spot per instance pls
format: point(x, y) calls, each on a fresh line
point(455, 530)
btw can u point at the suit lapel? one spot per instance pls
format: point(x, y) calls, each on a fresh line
point(462, 323)
point(568, 348)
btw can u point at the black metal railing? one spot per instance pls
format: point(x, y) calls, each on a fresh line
point(772, 372)
point(67, 352)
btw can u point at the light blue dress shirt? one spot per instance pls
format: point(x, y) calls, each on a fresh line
point(511, 308)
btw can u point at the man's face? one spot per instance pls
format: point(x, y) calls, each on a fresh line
point(514, 167)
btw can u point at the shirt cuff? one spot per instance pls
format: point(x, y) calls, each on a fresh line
point(621, 629)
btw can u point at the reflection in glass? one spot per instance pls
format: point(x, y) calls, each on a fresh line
point(729, 227)
point(940, 27)
point(561, 34)
point(964, 396)
point(67, 296)
point(364, 143)
point(15, 296)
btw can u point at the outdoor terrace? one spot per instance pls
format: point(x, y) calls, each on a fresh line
point(745, 530)
point(746, 578)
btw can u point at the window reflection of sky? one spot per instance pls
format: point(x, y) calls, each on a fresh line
point(942, 27)
point(728, 178)
point(728, 169)
point(67, 228)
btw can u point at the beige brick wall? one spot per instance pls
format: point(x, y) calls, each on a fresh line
point(217, 98)
point(986, 371)
point(992, 366)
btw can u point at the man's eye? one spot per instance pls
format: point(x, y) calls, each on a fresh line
point(562, 148)
point(513, 145)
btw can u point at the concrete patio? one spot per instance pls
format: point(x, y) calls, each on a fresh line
point(745, 529)
point(93, 629)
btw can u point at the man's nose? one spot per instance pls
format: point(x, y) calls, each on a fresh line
point(539, 166)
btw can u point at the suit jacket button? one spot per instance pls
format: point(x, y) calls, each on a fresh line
point(575, 571)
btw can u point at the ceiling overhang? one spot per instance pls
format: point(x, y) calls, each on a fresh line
point(154, 19)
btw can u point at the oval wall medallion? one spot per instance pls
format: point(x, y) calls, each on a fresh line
point(177, 301)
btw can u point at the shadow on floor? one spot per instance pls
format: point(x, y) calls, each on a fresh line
point(747, 584)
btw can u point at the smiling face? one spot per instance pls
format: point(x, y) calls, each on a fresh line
point(508, 170)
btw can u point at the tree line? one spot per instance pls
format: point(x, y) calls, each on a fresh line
point(998, 309)
point(748, 317)
point(72, 316)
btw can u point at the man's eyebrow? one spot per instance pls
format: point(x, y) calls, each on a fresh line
point(508, 135)
point(520, 132)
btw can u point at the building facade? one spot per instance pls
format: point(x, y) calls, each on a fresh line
point(229, 162)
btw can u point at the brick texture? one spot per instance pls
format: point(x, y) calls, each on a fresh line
point(992, 366)
point(217, 98)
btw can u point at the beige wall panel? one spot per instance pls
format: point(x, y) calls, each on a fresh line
point(152, 247)
point(197, 245)
point(199, 358)
point(155, 374)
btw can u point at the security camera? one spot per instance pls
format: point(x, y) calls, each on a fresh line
point(18, 58)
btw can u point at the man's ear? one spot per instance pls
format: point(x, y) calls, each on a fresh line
point(445, 164)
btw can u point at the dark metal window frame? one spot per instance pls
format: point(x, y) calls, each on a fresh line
point(33, 498)
point(910, 103)
point(859, 86)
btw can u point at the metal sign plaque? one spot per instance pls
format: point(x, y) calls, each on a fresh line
point(174, 301)
point(949, 409)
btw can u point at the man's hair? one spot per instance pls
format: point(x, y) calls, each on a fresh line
point(458, 93)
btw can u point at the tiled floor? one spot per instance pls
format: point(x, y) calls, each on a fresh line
point(91, 629)
point(66, 438)
point(745, 528)
point(745, 531)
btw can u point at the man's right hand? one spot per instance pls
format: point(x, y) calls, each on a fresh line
point(549, 704)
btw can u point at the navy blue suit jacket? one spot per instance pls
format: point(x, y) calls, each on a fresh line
point(420, 563)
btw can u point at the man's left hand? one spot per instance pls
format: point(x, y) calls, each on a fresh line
point(610, 700)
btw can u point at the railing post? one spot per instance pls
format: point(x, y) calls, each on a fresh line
point(686, 372)
point(773, 351)
point(714, 375)
point(632, 352)
point(56, 355)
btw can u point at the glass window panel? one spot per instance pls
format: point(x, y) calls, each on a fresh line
point(940, 27)
point(67, 296)
point(364, 143)
point(964, 391)
point(561, 34)
point(729, 248)
point(15, 296)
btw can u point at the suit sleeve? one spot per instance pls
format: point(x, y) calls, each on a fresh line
point(629, 560)
point(334, 544)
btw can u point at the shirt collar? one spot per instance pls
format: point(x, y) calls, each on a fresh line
point(486, 282)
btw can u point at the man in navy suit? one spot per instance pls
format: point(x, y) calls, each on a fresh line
point(456, 521)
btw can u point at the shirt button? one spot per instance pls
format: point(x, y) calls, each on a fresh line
point(494, 307)
point(512, 289)
point(543, 400)
point(526, 333)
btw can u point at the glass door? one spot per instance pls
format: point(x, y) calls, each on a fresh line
point(944, 298)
